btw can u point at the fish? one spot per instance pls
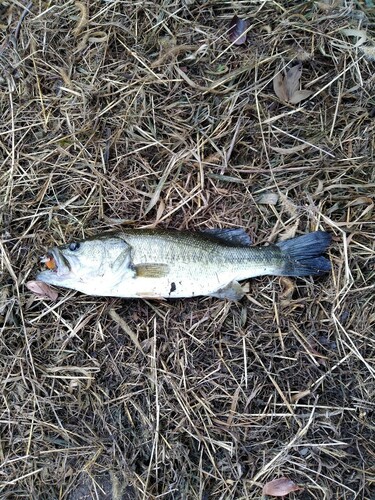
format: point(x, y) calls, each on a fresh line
point(163, 264)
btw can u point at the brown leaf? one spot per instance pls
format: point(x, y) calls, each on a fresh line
point(279, 87)
point(300, 95)
point(299, 395)
point(322, 360)
point(268, 198)
point(288, 151)
point(286, 86)
point(288, 286)
point(362, 200)
point(280, 487)
point(292, 79)
point(42, 289)
point(237, 30)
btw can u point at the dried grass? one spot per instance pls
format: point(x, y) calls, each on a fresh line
point(143, 113)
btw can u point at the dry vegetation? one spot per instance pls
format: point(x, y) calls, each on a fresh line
point(143, 113)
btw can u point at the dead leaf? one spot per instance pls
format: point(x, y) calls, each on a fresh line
point(292, 209)
point(288, 286)
point(286, 86)
point(325, 7)
point(319, 358)
point(268, 198)
point(300, 95)
point(279, 87)
point(369, 53)
point(361, 36)
point(280, 487)
point(42, 289)
point(320, 187)
point(160, 211)
point(361, 200)
point(299, 395)
point(367, 212)
point(237, 30)
point(82, 18)
point(287, 151)
point(292, 80)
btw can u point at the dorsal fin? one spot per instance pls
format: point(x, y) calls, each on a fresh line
point(235, 237)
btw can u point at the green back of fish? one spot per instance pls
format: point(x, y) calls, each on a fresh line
point(197, 249)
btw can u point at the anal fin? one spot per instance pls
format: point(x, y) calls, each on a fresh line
point(232, 291)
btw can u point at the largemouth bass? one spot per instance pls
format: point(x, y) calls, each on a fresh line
point(169, 264)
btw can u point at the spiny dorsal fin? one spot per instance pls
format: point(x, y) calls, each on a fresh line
point(236, 237)
point(151, 270)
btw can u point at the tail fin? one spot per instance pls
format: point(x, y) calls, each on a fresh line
point(303, 254)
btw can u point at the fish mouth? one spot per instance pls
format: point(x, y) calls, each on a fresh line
point(56, 263)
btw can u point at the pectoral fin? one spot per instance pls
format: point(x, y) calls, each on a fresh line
point(232, 291)
point(151, 270)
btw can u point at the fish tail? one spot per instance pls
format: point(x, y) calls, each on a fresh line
point(303, 255)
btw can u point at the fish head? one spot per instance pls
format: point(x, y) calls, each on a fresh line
point(89, 265)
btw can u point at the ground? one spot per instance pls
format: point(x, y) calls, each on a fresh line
point(147, 114)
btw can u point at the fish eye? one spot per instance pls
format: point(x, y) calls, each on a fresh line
point(74, 246)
